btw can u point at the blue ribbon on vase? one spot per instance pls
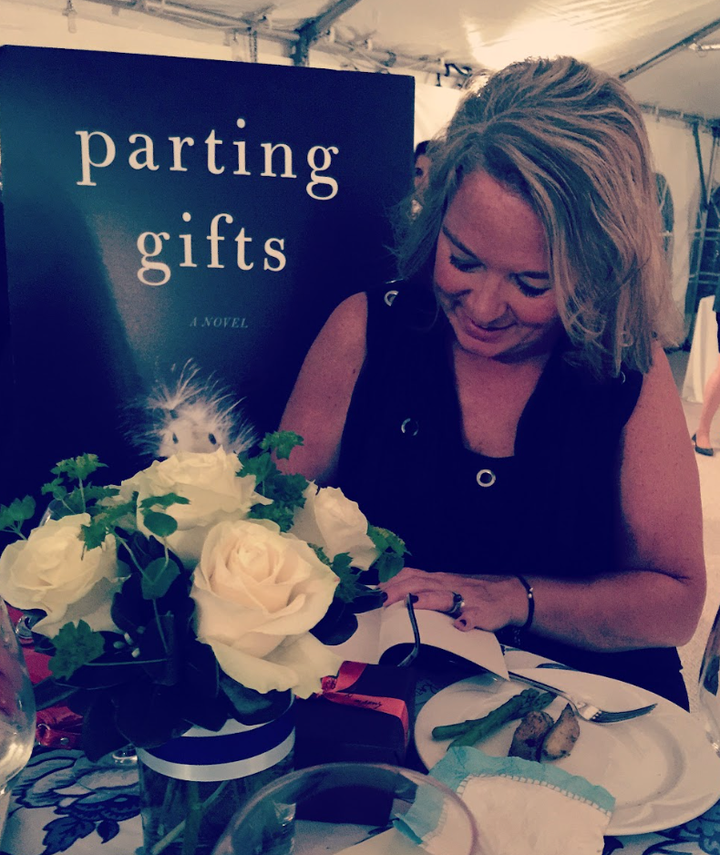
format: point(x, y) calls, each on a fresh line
point(235, 751)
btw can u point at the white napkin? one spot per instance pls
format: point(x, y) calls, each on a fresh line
point(521, 807)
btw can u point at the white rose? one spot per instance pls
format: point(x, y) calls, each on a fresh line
point(53, 571)
point(210, 482)
point(331, 520)
point(258, 594)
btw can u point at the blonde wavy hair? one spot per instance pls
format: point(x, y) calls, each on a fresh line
point(571, 141)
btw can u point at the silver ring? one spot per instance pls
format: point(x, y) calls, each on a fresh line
point(458, 604)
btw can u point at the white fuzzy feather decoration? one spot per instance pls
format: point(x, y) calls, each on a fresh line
point(187, 414)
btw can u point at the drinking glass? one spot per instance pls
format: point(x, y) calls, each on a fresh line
point(17, 705)
point(709, 685)
point(353, 808)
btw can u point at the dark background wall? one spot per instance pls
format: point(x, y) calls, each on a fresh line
point(91, 334)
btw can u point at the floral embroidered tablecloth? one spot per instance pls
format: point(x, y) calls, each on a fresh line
point(63, 803)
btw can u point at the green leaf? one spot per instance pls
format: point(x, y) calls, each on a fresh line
point(281, 442)
point(252, 707)
point(75, 646)
point(337, 624)
point(385, 539)
point(74, 502)
point(94, 533)
point(349, 588)
point(158, 576)
point(388, 565)
point(287, 489)
point(148, 715)
point(96, 494)
point(161, 525)
point(12, 516)
point(105, 520)
point(163, 501)
point(320, 552)
point(392, 552)
point(368, 600)
point(261, 467)
point(49, 693)
point(100, 734)
point(78, 468)
point(56, 488)
point(277, 513)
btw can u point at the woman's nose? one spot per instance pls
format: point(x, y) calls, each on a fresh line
point(487, 301)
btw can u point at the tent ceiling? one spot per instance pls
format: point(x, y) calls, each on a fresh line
point(453, 36)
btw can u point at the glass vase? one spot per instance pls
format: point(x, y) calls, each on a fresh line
point(191, 787)
point(709, 685)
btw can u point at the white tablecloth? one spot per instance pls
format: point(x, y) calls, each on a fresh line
point(65, 804)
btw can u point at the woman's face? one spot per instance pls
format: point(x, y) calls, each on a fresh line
point(422, 167)
point(491, 272)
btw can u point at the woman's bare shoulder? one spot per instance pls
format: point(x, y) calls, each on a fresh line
point(319, 402)
point(346, 326)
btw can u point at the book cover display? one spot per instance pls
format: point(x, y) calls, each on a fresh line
point(176, 233)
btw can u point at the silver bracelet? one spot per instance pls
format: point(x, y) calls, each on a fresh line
point(518, 631)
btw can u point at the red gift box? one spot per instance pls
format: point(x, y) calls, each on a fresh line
point(362, 715)
point(57, 726)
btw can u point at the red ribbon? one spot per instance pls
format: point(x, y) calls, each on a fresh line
point(58, 727)
point(335, 689)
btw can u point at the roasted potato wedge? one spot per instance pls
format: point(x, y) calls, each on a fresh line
point(530, 734)
point(561, 737)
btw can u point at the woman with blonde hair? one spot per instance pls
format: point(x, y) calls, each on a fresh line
point(507, 407)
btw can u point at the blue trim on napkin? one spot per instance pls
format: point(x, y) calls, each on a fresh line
point(463, 762)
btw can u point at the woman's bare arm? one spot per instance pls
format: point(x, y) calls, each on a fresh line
point(319, 402)
point(655, 595)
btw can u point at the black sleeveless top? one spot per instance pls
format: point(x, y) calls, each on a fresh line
point(550, 510)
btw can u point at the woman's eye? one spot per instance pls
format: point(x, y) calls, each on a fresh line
point(464, 265)
point(531, 290)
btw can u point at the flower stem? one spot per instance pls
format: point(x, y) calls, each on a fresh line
point(194, 815)
point(191, 825)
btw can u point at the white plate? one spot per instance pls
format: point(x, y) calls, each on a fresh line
point(660, 767)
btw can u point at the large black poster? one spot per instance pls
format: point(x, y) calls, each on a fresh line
point(174, 225)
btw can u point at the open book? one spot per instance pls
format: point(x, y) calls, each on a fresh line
point(381, 629)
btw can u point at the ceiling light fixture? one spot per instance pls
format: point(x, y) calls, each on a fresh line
point(701, 49)
point(71, 15)
point(236, 52)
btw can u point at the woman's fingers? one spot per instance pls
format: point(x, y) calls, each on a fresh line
point(437, 601)
point(435, 588)
point(489, 602)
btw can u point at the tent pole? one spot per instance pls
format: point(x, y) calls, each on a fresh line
point(669, 51)
point(313, 28)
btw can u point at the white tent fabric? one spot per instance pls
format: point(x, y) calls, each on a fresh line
point(426, 36)
point(437, 43)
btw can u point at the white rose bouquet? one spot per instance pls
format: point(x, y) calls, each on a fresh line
point(208, 586)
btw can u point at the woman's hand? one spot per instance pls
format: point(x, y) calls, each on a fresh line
point(491, 602)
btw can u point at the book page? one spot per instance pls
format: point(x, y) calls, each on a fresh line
point(381, 629)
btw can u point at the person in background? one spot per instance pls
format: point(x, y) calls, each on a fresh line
point(508, 408)
point(711, 400)
point(422, 165)
point(420, 177)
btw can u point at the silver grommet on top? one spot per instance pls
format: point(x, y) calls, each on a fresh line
point(389, 297)
point(486, 478)
point(410, 427)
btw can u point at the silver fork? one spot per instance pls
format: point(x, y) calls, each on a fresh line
point(583, 709)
